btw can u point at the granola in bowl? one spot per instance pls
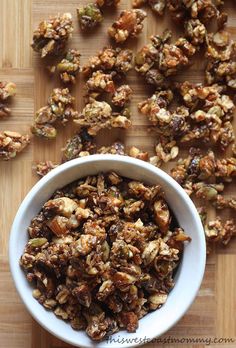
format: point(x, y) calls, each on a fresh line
point(102, 253)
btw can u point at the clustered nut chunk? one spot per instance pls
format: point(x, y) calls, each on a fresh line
point(103, 73)
point(205, 177)
point(98, 115)
point(205, 10)
point(219, 232)
point(58, 111)
point(161, 59)
point(221, 61)
point(80, 145)
point(158, 6)
point(101, 253)
point(115, 61)
point(7, 90)
point(128, 25)
point(51, 35)
point(43, 168)
point(98, 83)
point(206, 113)
point(89, 16)
point(69, 66)
point(11, 143)
point(122, 96)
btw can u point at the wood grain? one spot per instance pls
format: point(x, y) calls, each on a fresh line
point(213, 312)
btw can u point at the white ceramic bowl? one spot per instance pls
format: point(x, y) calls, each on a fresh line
point(190, 272)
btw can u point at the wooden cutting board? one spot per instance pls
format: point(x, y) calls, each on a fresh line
point(212, 316)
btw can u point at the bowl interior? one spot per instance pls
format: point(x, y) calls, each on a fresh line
point(188, 277)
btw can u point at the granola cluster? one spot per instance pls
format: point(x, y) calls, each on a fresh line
point(158, 6)
point(69, 66)
point(219, 232)
point(205, 10)
point(221, 61)
point(11, 143)
point(51, 35)
point(58, 111)
point(205, 178)
point(98, 115)
point(103, 74)
point(102, 253)
point(114, 61)
point(160, 59)
point(7, 90)
point(43, 168)
point(128, 25)
point(89, 16)
point(205, 113)
point(83, 144)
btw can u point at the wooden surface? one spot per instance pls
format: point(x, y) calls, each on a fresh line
point(213, 313)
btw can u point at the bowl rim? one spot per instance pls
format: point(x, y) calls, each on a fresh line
point(94, 158)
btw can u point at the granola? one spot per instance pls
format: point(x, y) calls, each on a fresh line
point(58, 111)
point(98, 83)
point(122, 96)
point(79, 145)
point(219, 232)
point(201, 167)
point(102, 252)
point(43, 168)
point(11, 143)
point(158, 6)
point(69, 66)
point(206, 114)
point(205, 10)
point(128, 25)
point(52, 35)
point(221, 63)
point(89, 16)
point(114, 61)
point(160, 59)
point(139, 154)
point(116, 148)
point(97, 115)
point(7, 90)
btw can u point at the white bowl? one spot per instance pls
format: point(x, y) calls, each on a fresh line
point(188, 277)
